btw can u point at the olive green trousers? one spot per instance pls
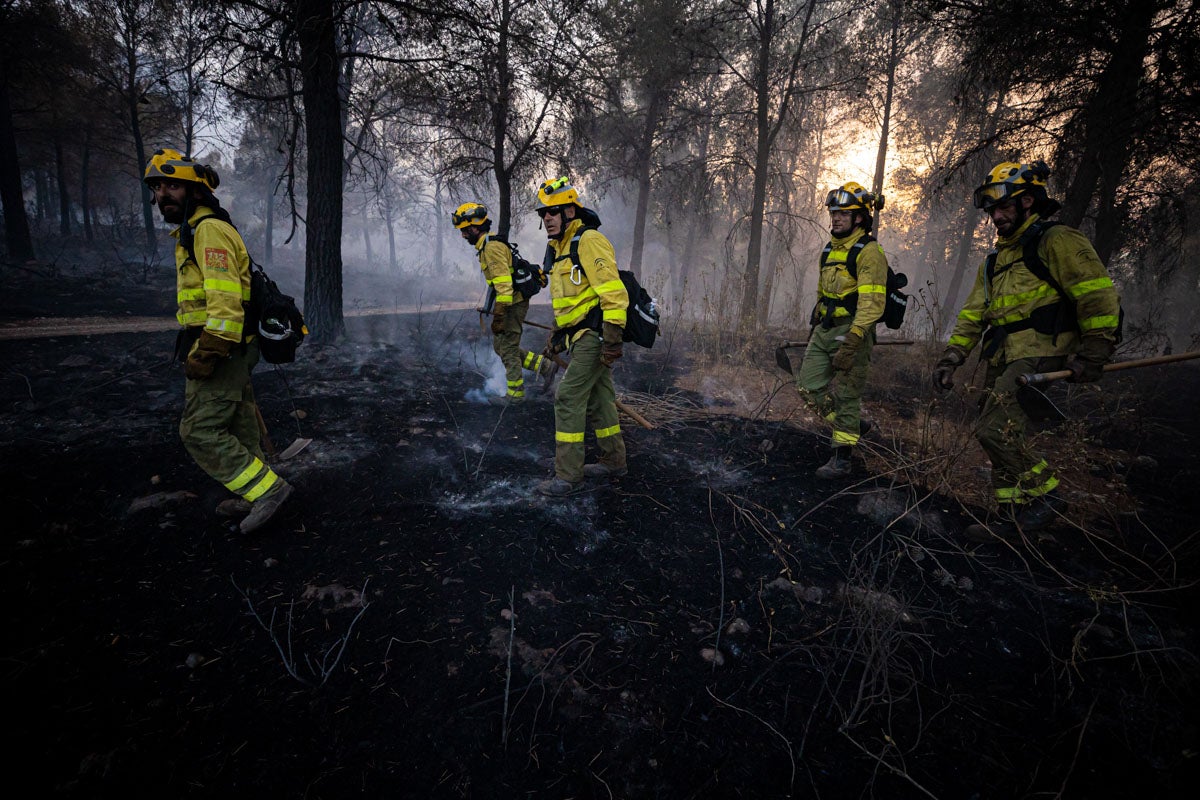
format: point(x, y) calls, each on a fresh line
point(586, 393)
point(507, 345)
point(835, 396)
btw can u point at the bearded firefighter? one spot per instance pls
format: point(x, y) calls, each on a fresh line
point(219, 427)
point(1041, 300)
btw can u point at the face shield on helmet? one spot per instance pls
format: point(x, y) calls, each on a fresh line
point(171, 165)
point(852, 197)
point(555, 193)
point(1008, 180)
point(469, 214)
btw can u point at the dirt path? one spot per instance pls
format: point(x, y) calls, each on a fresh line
point(46, 327)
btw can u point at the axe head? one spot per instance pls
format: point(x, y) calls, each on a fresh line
point(781, 358)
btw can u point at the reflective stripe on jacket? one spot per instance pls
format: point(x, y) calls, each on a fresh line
point(210, 294)
point(836, 283)
point(495, 261)
point(576, 291)
point(1015, 294)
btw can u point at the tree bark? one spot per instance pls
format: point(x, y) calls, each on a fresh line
point(762, 162)
point(323, 131)
point(16, 221)
point(1111, 122)
point(64, 193)
point(644, 152)
point(85, 201)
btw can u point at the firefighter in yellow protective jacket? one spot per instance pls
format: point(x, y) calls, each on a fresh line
point(219, 427)
point(852, 294)
point(589, 303)
point(509, 307)
point(1042, 301)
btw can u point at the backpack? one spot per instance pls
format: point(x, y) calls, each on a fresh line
point(527, 277)
point(270, 314)
point(641, 318)
point(896, 302)
point(1056, 317)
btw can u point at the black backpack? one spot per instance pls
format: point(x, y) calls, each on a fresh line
point(270, 314)
point(642, 319)
point(527, 277)
point(897, 301)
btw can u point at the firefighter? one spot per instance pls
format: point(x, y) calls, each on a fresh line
point(851, 297)
point(589, 303)
point(219, 426)
point(509, 308)
point(1041, 301)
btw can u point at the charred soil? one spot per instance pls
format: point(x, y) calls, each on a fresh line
point(420, 623)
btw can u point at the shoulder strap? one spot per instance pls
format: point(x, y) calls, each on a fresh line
point(852, 256)
point(575, 245)
point(188, 239)
point(1030, 258)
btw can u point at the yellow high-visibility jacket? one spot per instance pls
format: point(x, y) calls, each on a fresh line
point(836, 283)
point(1015, 293)
point(574, 291)
point(210, 294)
point(495, 260)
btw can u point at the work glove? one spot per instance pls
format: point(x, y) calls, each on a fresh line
point(611, 350)
point(1087, 365)
point(498, 319)
point(203, 359)
point(943, 371)
point(844, 358)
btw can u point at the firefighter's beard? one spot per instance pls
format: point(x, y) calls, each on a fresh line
point(171, 212)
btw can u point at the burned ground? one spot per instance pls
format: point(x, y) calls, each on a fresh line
point(420, 623)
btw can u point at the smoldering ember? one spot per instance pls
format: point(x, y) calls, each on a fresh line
point(662, 399)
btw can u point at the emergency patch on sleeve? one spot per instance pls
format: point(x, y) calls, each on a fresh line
point(216, 258)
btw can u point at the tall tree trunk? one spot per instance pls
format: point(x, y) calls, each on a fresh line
point(1111, 121)
point(500, 112)
point(644, 157)
point(132, 95)
point(762, 163)
point(881, 154)
point(697, 223)
point(439, 246)
point(962, 263)
point(366, 232)
point(85, 201)
point(41, 196)
point(391, 232)
point(16, 221)
point(64, 193)
point(323, 131)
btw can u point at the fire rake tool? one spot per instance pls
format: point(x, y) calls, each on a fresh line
point(1045, 377)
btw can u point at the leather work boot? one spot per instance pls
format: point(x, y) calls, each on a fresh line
point(555, 487)
point(838, 465)
point(547, 371)
point(233, 507)
point(265, 508)
point(1041, 511)
point(603, 471)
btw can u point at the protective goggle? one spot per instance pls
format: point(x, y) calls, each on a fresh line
point(473, 215)
point(840, 199)
point(994, 193)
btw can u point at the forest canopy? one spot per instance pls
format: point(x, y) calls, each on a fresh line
point(705, 132)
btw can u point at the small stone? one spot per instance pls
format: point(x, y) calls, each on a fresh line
point(299, 413)
point(194, 660)
point(270, 562)
point(966, 584)
point(506, 613)
point(712, 656)
point(156, 479)
point(738, 625)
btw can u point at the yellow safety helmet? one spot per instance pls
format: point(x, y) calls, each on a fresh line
point(469, 214)
point(171, 165)
point(1010, 179)
point(556, 193)
point(852, 196)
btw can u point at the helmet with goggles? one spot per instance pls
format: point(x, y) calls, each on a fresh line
point(469, 214)
point(1008, 180)
point(171, 165)
point(558, 192)
point(852, 197)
